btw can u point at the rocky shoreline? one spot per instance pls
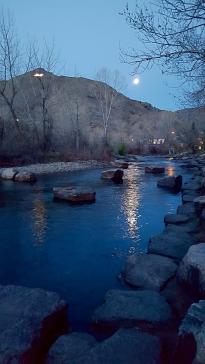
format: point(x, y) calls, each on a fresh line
point(56, 167)
point(156, 317)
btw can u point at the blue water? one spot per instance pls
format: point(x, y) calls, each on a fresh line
point(78, 251)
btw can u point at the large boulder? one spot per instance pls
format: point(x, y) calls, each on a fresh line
point(199, 203)
point(154, 170)
point(190, 227)
point(148, 271)
point(171, 183)
point(177, 296)
point(124, 308)
point(70, 347)
point(188, 198)
point(170, 244)
point(30, 320)
point(191, 336)
point(115, 175)
point(187, 209)
point(74, 195)
point(8, 173)
point(25, 177)
point(191, 271)
point(126, 346)
point(192, 185)
point(176, 219)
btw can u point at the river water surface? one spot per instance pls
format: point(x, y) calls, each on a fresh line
point(78, 251)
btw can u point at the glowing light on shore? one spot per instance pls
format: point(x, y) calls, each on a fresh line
point(38, 74)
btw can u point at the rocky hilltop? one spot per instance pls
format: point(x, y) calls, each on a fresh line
point(63, 115)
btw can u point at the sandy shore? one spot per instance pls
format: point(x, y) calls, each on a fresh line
point(55, 167)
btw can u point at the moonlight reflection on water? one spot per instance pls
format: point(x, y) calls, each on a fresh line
point(39, 220)
point(130, 204)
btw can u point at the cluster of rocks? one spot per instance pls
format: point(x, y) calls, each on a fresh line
point(17, 176)
point(79, 195)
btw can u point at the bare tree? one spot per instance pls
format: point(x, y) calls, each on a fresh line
point(43, 61)
point(172, 34)
point(73, 109)
point(106, 91)
point(10, 59)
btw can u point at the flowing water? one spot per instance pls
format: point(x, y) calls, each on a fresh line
point(78, 251)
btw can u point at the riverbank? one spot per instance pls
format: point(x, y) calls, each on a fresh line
point(57, 167)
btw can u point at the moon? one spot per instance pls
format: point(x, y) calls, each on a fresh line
point(136, 81)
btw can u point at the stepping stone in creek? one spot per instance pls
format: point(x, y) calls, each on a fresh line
point(115, 175)
point(148, 271)
point(126, 346)
point(30, 320)
point(170, 244)
point(123, 308)
point(155, 170)
point(176, 219)
point(70, 347)
point(74, 195)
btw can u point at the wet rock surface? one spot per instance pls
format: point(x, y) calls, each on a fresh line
point(155, 170)
point(170, 244)
point(191, 336)
point(128, 308)
point(120, 164)
point(126, 346)
point(115, 175)
point(191, 271)
point(74, 195)
point(148, 271)
point(176, 219)
point(171, 183)
point(187, 209)
point(30, 320)
point(8, 173)
point(70, 347)
point(25, 177)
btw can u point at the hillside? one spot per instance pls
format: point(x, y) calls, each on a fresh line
point(62, 114)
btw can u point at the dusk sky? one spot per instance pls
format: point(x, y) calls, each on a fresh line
point(88, 36)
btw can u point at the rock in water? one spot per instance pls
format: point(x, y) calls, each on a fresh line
point(132, 308)
point(120, 164)
point(8, 173)
point(74, 195)
point(176, 219)
point(171, 183)
point(70, 347)
point(199, 203)
point(126, 346)
point(148, 271)
point(154, 170)
point(170, 244)
point(25, 177)
point(191, 271)
point(115, 175)
point(191, 336)
point(187, 209)
point(30, 320)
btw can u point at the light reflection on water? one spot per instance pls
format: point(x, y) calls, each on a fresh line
point(130, 205)
point(39, 220)
point(170, 171)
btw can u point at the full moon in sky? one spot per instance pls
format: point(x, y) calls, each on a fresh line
point(136, 81)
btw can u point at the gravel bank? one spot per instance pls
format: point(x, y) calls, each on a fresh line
point(47, 168)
